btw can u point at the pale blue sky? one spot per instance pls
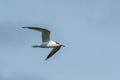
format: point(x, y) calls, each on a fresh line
point(90, 29)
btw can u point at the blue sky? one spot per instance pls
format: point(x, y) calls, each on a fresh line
point(90, 29)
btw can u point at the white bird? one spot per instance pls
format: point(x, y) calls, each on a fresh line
point(46, 42)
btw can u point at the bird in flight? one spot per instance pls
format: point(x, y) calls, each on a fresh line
point(46, 41)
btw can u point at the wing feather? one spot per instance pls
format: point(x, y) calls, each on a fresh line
point(45, 33)
point(54, 50)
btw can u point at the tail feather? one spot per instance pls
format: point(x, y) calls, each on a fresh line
point(35, 46)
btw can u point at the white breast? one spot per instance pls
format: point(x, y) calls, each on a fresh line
point(52, 44)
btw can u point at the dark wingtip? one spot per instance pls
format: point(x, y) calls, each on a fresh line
point(24, 27)
point(45, 59)
point(28, 27)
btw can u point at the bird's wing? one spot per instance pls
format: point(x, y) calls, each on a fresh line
point(54, 50)
point(45, 33)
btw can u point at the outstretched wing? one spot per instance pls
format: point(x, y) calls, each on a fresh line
point(54, 50)
point(45, 33)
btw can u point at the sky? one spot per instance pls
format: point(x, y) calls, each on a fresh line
point(90, 30)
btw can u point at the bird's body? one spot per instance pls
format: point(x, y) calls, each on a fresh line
point(49, 44)
point(46, 42)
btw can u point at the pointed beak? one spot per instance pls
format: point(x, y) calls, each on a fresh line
point(63, 45)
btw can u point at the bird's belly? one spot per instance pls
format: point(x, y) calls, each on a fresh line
point(46, 45)
point(49, 45)
point(52, 45)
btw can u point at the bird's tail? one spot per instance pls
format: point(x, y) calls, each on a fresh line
point(35, 46)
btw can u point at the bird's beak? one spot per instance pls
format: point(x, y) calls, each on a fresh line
point(63, 45)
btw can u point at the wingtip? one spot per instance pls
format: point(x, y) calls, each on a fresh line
point(24, 27)
point(28, 27)
point(45, 59)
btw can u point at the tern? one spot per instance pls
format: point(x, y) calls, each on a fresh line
point(46, 41)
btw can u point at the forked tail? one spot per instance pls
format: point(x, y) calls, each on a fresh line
point(35, 46)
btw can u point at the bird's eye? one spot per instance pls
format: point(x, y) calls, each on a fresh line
point(57, 43)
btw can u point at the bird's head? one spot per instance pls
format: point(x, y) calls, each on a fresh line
point(60, 44)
